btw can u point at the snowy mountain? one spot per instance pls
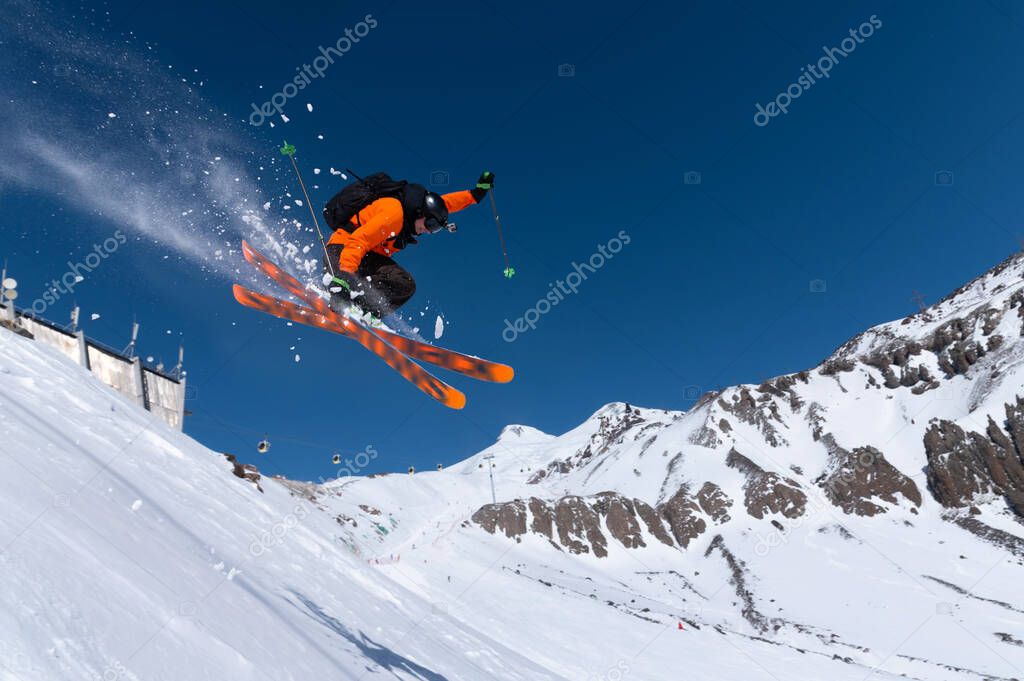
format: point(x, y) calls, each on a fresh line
point(859, 519)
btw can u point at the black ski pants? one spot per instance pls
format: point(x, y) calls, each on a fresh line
point(390, 285)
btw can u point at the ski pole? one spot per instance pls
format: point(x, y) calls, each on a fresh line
point(509, 270)
point(289, 151)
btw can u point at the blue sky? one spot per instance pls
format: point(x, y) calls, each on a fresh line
point(714, 288)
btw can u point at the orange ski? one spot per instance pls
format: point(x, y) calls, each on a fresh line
point(414, 373)
point(474, 367)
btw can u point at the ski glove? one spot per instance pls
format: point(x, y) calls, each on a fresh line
point(486, 180)
point(484, 183)
point(343, 284)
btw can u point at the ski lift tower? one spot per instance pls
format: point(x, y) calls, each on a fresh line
point(8, 292)
point(919, 299)
point(177, 371)
point(129, 351)
point(490, 471)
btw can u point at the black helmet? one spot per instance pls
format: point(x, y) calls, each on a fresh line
point(435, 211)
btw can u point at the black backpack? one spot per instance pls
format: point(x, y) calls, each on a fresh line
point(347, 203)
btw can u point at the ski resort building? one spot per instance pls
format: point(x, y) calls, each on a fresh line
point(156, 390)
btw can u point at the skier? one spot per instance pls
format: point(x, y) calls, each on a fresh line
point(373, 219)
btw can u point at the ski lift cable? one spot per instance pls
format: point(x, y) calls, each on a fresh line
point(240, 431)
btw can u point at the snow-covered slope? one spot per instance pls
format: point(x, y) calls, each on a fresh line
point(129, 551)
point(861, 519)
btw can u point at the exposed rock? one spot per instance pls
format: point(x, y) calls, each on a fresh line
point(855, 478)
point(621, 519)
point(816, 419)
point(579, 527)
point(648, 428)
point(560, 467)
point(758, 412)
point(835, 528)
point(577, 523)
point(959, 357)
point(922, 388)
point(683, 517)
point(705, 437)
point(738, 579)
point(705, 399)
point(897, 354)
point(767, 492)
point(509, 517)
point(647, 445)
point(652, 520)
point(1009, 638)
point(612, 429)
point(993, 535)
point(966, 593)
point(963, 465)
point(1017, 301)
point(838, 365)
point(543, 518)
point(783, 387)
point(714, 502)
point(246, 471)
point(954, 344)
point(957, 468)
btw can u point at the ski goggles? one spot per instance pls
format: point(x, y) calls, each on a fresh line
point(433, 225)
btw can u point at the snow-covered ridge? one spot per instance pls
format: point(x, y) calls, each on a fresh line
point(906, 442)
point(981, 301)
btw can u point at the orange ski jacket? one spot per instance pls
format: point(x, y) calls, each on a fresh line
point(376, 227)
